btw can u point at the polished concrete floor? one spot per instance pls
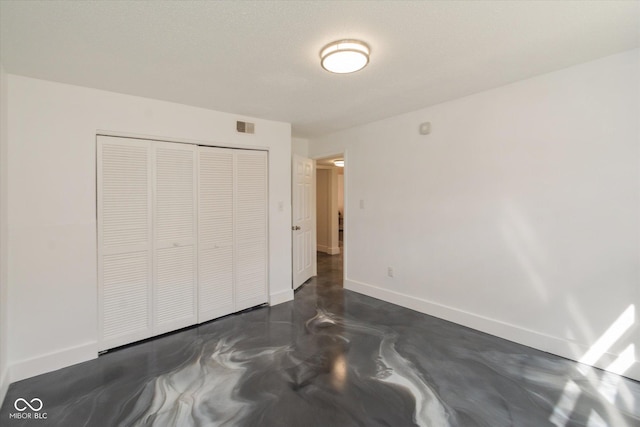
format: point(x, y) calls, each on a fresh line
point(329, 358)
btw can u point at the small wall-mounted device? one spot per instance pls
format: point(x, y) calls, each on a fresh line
point(425, 128)
point(245, 127)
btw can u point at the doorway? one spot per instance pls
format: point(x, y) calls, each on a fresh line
point(330, 217)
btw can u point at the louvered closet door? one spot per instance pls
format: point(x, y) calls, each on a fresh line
point(175, 292)
point(215, 233)
point(124, 241)
point(250, 228)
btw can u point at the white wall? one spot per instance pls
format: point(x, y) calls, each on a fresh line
point(341, 191)
point(518, 215)
point(323, 236)
point(300, 146)
point(52, 214)
point(327, 238)
point(4, 327)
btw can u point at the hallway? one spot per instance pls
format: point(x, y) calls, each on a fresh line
point(330, 270)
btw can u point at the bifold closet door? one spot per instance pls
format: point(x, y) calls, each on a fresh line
point(124, 179)
point(250, 237)
point(182, 235)
point(175, 236)
point(232, 231)
point(215, 233)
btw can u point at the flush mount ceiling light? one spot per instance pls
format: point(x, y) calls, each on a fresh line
point(344, 56)
point(339, 163)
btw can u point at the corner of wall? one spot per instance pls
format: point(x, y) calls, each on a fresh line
point(300, 147)
point(280, 297)
point(53, 361)
point(4, 385)
point(4, 369)
point(550, 344)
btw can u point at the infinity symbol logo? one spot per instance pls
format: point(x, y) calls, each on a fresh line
point(26, 404)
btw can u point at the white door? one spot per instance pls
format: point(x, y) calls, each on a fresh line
point(175, 292)
point(250, 228)
point(303, 233)
point(124, 241)
point(215, 233)
point(182, 235)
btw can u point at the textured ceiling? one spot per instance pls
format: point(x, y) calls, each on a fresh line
point(261, 58)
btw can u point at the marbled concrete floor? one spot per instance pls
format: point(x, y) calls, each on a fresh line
point(329, 358)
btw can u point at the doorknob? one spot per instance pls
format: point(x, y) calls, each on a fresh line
point(295, 227)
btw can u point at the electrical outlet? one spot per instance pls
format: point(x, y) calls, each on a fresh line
point(390, 271)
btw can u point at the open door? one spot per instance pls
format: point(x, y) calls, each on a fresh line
point(303, 231)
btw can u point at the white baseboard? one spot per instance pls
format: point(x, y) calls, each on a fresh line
point(280, 297)
point(53, 361)
point(550, 344)
point(4, 385)
point(328, 249)
point(634, 371)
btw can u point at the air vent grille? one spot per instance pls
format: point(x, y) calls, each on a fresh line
point(245, 127)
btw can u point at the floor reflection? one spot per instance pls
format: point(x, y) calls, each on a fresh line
point(329, 358)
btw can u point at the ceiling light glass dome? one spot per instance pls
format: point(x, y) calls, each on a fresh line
point(344, 56)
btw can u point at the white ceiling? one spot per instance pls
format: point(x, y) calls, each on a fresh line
point(261, 58)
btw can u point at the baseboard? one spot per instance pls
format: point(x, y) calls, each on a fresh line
point(550, 344)
point(634, 371)
point(53, 361)
point(328, 249)
point(280, 297)
point(4, 385)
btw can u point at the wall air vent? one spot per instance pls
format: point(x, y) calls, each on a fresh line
point(245, 127)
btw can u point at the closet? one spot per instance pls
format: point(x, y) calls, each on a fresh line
point(182, 235)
